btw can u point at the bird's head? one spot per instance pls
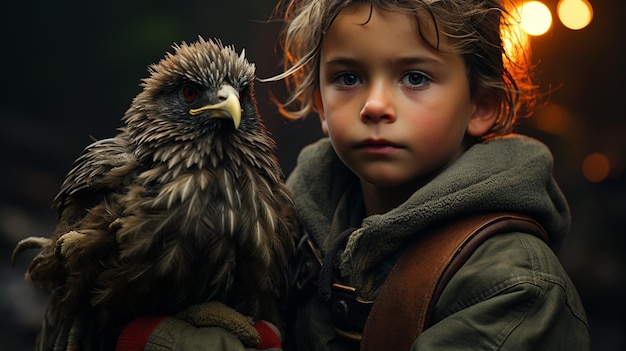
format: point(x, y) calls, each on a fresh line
point(204, 90)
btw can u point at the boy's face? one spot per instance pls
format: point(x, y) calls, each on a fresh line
point(395, 109)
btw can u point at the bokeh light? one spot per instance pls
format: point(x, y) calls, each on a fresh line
point(575, 14)
point(535, 17)
point(551, 118)
point(596, 167)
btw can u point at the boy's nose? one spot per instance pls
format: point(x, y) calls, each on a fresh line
point(378, 106)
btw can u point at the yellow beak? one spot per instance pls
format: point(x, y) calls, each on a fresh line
point(228, 107)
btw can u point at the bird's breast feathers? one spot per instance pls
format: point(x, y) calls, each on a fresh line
point(236, 199)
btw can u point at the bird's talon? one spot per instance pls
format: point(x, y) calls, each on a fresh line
point(117, 223)
point(65, 241)
point(32, 242)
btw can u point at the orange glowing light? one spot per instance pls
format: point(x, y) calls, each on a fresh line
point(596, 167)
point(535, 17)
point(515, 41)
point(575, 14)
point(551, 118)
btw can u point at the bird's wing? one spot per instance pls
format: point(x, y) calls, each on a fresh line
point(103, 166)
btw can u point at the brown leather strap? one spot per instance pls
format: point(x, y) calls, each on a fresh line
point(404, 304)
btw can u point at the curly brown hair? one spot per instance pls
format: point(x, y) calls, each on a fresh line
point(475, 29)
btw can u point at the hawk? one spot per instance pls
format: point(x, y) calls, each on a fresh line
point(186, 204)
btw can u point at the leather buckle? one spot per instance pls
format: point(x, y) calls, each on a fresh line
point(348, 312)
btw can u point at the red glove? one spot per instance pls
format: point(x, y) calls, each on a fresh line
point(135, 335)
point(268, 335)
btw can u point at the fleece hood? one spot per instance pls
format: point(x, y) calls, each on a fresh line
point(512, 174)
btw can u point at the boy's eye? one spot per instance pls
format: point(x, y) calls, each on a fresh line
point(415, 79)
point(347, 79)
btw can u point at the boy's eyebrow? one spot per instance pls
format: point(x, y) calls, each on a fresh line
point(340, 61)
point(402, 60)
point(418, 60)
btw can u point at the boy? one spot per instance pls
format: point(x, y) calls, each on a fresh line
point(418, 102)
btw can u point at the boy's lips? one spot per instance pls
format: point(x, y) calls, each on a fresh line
point(377, 146)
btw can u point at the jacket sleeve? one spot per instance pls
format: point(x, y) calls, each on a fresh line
point(512, 294)
point(172, 334)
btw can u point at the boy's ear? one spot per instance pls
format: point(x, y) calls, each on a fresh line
point(485, 115)
point(319, 107)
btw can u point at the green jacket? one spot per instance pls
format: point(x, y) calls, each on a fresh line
point(512, 294)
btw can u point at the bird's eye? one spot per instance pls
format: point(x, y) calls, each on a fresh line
point(190, 93)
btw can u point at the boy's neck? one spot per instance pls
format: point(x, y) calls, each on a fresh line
point(379, 200)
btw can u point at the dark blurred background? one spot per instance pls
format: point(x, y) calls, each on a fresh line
point(71, 68)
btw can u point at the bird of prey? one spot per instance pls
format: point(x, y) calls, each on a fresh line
point(185, 204)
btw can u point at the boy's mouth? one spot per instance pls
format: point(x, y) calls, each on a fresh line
point(377, 146)
point(376, 143)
